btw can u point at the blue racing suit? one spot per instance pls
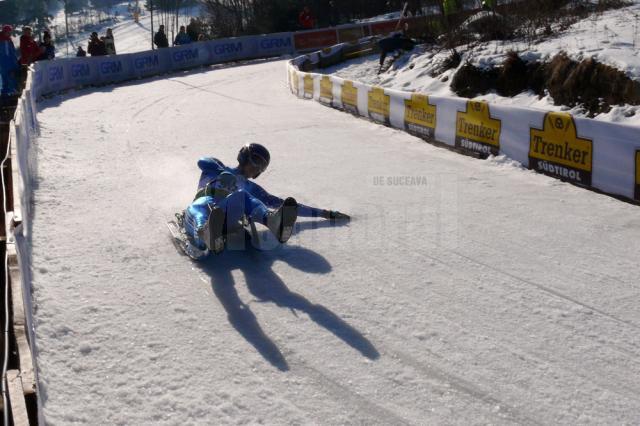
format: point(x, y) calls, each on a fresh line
point(8, 66)
point(245, 199)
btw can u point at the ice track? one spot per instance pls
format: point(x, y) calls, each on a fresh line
point(475, 293)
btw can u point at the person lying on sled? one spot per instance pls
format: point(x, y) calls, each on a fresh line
point(226, 197)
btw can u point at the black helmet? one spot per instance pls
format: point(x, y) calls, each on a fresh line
point(256, 155)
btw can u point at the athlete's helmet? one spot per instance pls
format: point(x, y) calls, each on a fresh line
point(256, 155)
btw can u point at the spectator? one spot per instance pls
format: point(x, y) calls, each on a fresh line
point(396, 42)
point(193, 29)
point(201, 37)
point(160, 39)
point(305, 19)
point(29, 49)
point(29, 53)
point(8, 62)
point(96, 46)
point(109, 42)
point(49, 49)
point(182, 37)
point(81, 52)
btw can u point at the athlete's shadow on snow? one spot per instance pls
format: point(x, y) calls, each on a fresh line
point(267, 286)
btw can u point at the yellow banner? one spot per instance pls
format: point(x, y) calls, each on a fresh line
point(637, 167)
point(556, 150)
point(476, 130)
point(637, 192)
point(559, 143)
point(379, 104)
point(349, 94)
point(308, 85)
point(326, 89)
point(294, 81)
point(418, 110)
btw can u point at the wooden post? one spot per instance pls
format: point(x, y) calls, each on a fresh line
point(28, 379)
point(16, 399)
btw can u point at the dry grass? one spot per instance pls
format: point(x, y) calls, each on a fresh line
point(589, 84)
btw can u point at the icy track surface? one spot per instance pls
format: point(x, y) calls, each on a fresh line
point(463, 292)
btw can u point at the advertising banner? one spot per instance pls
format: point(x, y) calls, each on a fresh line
point(420, 117)
point(476, 130)
point(308, 86)
point(556, 150)
point(81, 72)
point(378, 105)
point(637, 186)
point(310, 40)
point(189, 55)
point(114, 68)
point(153, 62)
point(350, 34)
point(274, 44)
point(326, 90)
point(55, 75)
point(226, 50)
point(295, 82)
point(349, 97)
point(38, 86)
point(384, 27)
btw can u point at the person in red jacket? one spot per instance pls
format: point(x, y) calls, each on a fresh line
point(305, 19)
point(29, 53)
point(29, 49)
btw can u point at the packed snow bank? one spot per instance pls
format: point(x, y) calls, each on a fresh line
point(463, 291)
point(611, 38)
point(589, 153)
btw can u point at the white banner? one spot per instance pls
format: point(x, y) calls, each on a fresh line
point(114, 68)
point(189, 55)
point(152, 62)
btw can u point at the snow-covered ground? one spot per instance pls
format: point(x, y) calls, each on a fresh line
point(463, 291)
point(130, 36)
point(612, 38)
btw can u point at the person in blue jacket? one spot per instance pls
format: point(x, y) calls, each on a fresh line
point(182, 37)
point(9, 65)
point(226, 196)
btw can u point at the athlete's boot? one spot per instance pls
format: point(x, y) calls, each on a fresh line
point(213, 231)
point(281, 221)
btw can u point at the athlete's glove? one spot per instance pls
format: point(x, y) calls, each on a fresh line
point(335, 215)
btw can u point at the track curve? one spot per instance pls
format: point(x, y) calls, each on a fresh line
point(463, 291)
